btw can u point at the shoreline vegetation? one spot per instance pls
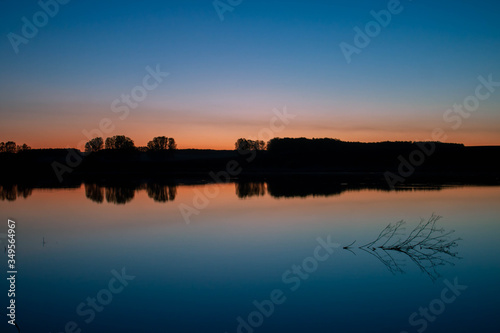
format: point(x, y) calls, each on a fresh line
point(383, 163)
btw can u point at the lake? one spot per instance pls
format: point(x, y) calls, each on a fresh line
point(254, 257)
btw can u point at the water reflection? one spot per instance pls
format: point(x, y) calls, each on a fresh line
point(119, 194)
point(12, 192)
point(304, 187)
point(250, 189)
point(259, 238)
point(94, 192)
point(123, 194)
point(112, 193)
point(426, 245)
point(161, 193)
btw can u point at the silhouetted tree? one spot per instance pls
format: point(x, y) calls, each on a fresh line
point(94, 145)
point(120, 142)
point(162, 143)
point(10, 147)
point(24, 147)
point(245, 144)
point(171, 144)
point(158, 143)
point(271, 144)
point(259, 145)
point(242, 144)
point(109, 143)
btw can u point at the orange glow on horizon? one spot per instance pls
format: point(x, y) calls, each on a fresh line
point(41, 133)
point(227, 142)
point(208, 130)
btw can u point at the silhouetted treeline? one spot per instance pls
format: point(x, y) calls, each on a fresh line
point(336, 155)
point(246, 144)
point(284, 156)
point(303, 144)
point(12, 147)
point(124, 143)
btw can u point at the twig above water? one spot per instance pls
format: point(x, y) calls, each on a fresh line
point(426, 245)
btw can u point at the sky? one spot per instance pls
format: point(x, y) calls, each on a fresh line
point(234, 65)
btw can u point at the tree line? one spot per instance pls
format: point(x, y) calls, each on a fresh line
point(122, 142)
point(11, 147)
point(159, 143)
point(281, 144)
point(246, 144)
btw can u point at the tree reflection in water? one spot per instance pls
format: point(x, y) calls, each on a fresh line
point(119, 194)
point(12, 192)
point(250, 189)
point(280, 187)
point(161, 193)
point(123, 194)
point(94, 192)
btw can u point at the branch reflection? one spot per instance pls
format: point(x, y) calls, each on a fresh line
point(428, 246)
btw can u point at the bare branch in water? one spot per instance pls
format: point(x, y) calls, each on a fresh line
point(349, 246)
point(426, 245)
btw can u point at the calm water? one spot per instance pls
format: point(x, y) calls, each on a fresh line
point(246, 243)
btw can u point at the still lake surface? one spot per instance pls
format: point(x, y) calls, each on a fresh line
point(244, 243)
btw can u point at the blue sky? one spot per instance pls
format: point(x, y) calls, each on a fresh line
point(227, 76)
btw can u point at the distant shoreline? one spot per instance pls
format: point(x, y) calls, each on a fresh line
point(385, 162)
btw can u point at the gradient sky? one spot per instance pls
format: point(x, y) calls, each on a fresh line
point(226, 77)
